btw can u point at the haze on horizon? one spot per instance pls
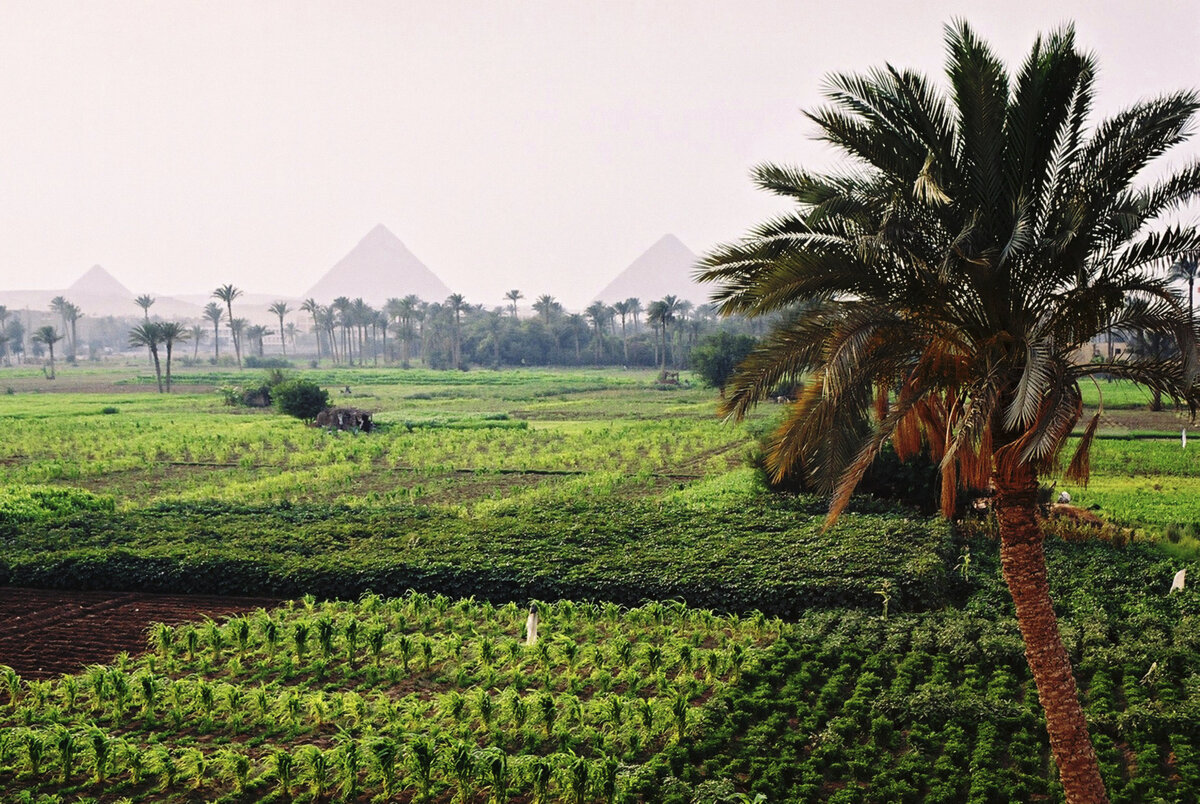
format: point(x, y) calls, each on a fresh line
point(540, 146)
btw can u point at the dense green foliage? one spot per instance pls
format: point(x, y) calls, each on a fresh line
point(299, 397)
point(939, 707)
point(716, 356)
point(736, 557)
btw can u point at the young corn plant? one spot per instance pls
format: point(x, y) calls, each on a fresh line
point(375, 638)
point(285, 771)
point(101, 746)
point(67, 745)
point(316, 771)
point(461, 764)
point(422, 752)
point(386, 753)
point(495, 763)
point(540, 773)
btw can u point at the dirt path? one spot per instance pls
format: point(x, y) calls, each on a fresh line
point(44, 633)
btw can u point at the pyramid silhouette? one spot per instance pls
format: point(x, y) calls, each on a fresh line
point(378, 268)
point(664, 268)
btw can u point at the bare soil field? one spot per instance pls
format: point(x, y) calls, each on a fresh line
point(44, 633)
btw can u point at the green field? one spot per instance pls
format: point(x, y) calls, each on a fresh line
point(895, 672)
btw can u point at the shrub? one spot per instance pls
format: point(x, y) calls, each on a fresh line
point(300, 398)
point(715, 357)
point(253, 361)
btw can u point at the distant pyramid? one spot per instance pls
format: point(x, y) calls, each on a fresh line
point(98, 282)
point(665, 268)
point(378, 268)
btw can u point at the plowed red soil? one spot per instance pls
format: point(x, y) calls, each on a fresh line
point(44, 633)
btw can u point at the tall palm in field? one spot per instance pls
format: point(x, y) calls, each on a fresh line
point(4, 336)
point(71, 313)
point(545, 307)
point(940, 281)
point(48, 336)
point(280, 309)
point(227, 293)
point(145, 301)
point(456, 304)
point(597, 312)
point(635, 309)
point(623, 309)
point(196, 333)
point(311, 307)
point(513, 297)
point(149, 334)
point(214, 313)
point(171, 334)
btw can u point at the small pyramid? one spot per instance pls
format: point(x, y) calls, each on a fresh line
point(378, 268)
point(664, 268)
point(98, 282)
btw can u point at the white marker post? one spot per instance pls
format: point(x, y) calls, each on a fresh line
point(1183, 438)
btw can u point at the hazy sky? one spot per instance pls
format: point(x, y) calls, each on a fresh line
point(535, 145)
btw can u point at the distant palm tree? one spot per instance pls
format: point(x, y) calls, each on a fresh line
point(456, 304)
point(655, 315)
point(280, 308)
point(256, 334)
point(342, 305)
point(59, 305)
point(597, 312)
point(197, 334)
point(635, 310)
point(71, 314)
point(544, 306)
point(290, 332)
point(1187, 269)
point(4, 332)
point(227, 293)
point(236, 327)
point(145, 301)
point(214, 313)
point(623, 309)
point(171, 333)
point(513, 297)
point(149, 334)
point(49, 336)
point(311, 307)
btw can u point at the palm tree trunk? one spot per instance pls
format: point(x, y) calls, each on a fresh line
point(168, 367)
point(157, 369)
point(1023, 564)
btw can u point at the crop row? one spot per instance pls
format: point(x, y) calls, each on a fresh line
point(421, 693)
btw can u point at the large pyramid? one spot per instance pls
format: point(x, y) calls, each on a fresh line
point(378, 268)
point(664, 268)
point(98, 282)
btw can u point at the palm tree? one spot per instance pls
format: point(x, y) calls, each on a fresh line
point(149, 334)
point(197, 333)
point(623, 309)
point(227, 293)
point(236, 327)
point(341, 306)
point(970, 245)
point(59, 304)
point(4, 335)
point(513, 297)
point(171, 333)
point(545, 306)
point(214, 313)
point(49, 336)
point(311, 307)
point(145, 301)
point(635, 310)
point(280, 308)
point(656, 315)
point(1187, 269)
point(456, 304)
point(598, 313)
point(71, 314)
